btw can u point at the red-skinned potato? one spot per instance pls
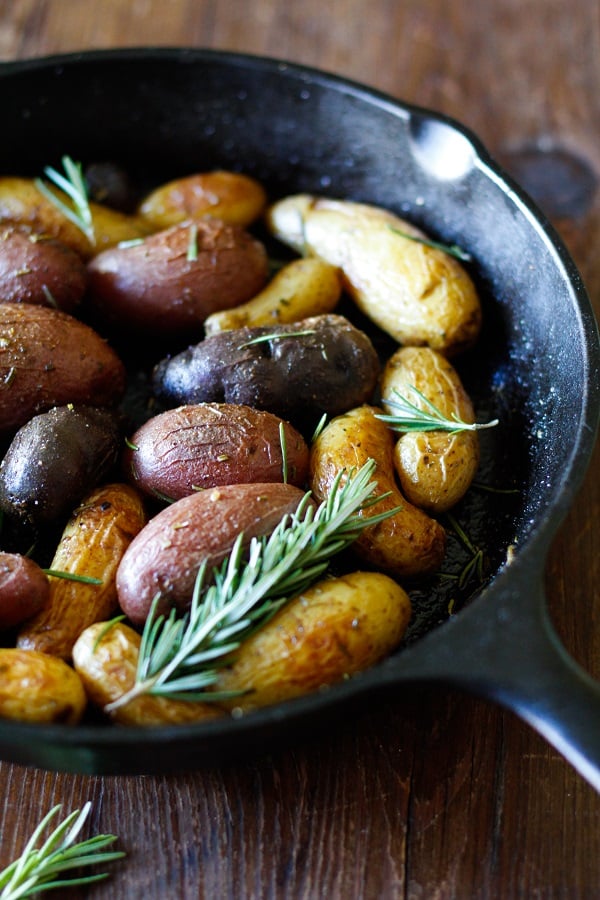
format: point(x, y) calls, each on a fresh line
point(170, 282)
point(41, 270)
point(204, 445)
point(48, 358)
point(165, 556)
point(24, 589)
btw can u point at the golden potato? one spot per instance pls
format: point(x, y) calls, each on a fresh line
point(21, 203)
point(415, 292)
point(435, 468)
point(92, 545)
point(36, 687)
point(105, 656)
point(408, 543)
point(302, 288)
point(336, 628)
point(229, 196)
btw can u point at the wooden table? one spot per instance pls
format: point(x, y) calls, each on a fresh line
point(431, 795)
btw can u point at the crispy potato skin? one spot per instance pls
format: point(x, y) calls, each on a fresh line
point(204, 445)
point(21, 203)
point(158, 287)
point(302, 288)
point(35, 269)
point(105, 658)
point(164, 558)
point(92, 544)
point(406, 544)
point(24, 589)
point(48, 358)
point(229, 196)
point(416, 293)
point(435, 468)
point(338, 627)
point(36, 687)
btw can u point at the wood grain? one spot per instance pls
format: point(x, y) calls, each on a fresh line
point(430, 794)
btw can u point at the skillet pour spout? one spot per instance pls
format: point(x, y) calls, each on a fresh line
point(161, 113)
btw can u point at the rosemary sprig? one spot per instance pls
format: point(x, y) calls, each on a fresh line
point(180, 657)
point(72, 183)
point(72, 576)
point(41, 868)
point(450, 249)
point(412, 417)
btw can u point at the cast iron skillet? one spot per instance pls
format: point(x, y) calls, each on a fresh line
point(163, 113)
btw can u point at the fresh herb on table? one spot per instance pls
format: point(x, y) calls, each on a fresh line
point(412, 417)
point(180, 657)
point(72, 183)
point(43, 868)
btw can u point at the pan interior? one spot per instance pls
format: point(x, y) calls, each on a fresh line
point(164, 114)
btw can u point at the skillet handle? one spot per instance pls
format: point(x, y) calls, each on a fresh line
point(512, 655)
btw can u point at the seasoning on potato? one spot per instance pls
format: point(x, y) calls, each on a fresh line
point(167, 284)
point(300, 289)
point(435, 468)
point(91, 547)
point(37, 687)
point(40, 270)
point(200, 446)
point(165, 556)
point(228, 196)
point(54, 459)
point(414, 291)
point(105, 657)
point(24, 589)
point(320, 365)
point(48, 358)
point(410, 542)
point(331, 631)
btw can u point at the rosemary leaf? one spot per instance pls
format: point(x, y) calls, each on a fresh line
point(450, 249)
point(182, 656)
point(72, 183)
point(427, 417)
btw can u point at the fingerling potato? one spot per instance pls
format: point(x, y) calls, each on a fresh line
point(302, 288)
point(229, 196)
point(204, 445)
point(334, 629)
point(413, 291)
point(405, 544)
point(91, 546)
point(36, 687)
point(435, 468)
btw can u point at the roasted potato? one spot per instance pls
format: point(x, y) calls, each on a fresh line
point(435, 468)
point(302, 288)
point(418, 294)
point(54, 460)
point(299, 371)
point(338, 627)
point(165, 556)
point(105, 657)
point(228, 196)
point(21, 203)
point(406, 544)
point(48, 358)
point(35, 269)
point(36, 687)
point(92, 546)
point(191, 448)
point(24, 589)
point(169, 283)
